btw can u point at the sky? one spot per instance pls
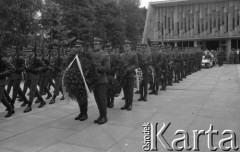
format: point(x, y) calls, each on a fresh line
point(144, 3)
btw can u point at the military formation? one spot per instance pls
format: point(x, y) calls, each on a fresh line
point(149, 68)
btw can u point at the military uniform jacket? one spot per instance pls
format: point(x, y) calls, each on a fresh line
point(57, 64)
point(19, 65)
point(102, 61)
point(145, 60)
point(36, 65)
point(131, 60)
point(5, 67)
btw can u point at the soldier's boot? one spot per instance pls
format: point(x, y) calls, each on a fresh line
point(28, 109)
point(49, 96)
point(152, 92)
point(9, 108)
point(20, 99)
point(37, 101)
point(9, 113)
point(137, 92)
point(25, 100)
point(43, 103)
point(153, 89)
point(83, 117)
point(125, 106)
point(80, 114)
point(145, 99)
point(53, 100)
point(141, 98)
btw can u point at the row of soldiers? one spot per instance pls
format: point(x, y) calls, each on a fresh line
point(163, 66)
point(155, 66)
point(41, 70)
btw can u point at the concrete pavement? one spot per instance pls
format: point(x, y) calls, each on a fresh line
point(210, 96)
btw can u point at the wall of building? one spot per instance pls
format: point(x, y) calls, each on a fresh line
point(193, 20)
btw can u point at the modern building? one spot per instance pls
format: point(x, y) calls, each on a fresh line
point(209, 24)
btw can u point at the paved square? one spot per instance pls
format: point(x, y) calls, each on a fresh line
point(210, 96)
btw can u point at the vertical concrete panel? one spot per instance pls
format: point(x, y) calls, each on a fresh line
point(149, 24)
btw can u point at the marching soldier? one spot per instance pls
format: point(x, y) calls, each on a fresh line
point(27, 79)
point(48, 74)
point(131, 60)
point(36, 65)
point(145, 60)
point(43, 75)
point(19, 64)
point(102, 60)
point(6, 68)
point(57, 65)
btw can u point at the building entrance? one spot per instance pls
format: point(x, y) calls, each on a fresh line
point(212, 45)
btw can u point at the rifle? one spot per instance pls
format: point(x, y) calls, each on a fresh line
point(42, 50)
point(35, 50)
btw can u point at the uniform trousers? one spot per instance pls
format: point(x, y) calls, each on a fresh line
point(83, 105)
point(144, 88)
point(34, 78)
point(3, 97)
point(128, 89)
point(100, 95)
point(17, 90)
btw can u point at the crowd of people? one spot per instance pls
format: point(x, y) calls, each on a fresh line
point(149, 68)
point(234, 57)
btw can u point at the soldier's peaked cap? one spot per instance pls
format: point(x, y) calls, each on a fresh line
point(79, 43)
point(127, 42)
point(154, 43)
point(97, 40)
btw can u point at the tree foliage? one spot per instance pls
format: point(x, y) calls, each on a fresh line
point(63, 20)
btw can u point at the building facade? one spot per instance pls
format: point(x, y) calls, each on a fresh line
point(209, 24)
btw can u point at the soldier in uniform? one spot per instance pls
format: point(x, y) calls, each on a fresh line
point(36, 65)
point(176, 68)
point(48, 74)
point(102, 60)
point(155, 69)
point(170, 69)
point(6, 68)
point(57, 65)
point(83, 103)
point(164, 71)
point(131, 60)
point(43, 75)
point(145, 60)
point(27, 79)
point(19, 64)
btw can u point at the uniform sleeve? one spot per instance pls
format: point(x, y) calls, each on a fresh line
point(9, 68)
point(105, 64)
point(150, 59)
point(134, 63)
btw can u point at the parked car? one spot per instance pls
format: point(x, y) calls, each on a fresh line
point(207, 62)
